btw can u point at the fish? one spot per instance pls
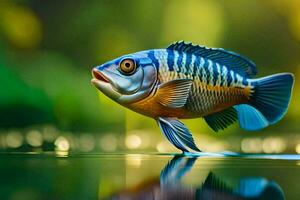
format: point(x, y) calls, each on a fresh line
point(170, 185)
point(185, 81)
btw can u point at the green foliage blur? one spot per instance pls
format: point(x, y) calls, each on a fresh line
point(47, 50)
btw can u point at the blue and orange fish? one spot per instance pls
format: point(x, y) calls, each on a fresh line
point(191, 81)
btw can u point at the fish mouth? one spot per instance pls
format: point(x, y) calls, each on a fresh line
point(98, 76)
point(104, 84)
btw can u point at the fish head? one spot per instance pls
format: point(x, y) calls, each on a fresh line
point(126, 79)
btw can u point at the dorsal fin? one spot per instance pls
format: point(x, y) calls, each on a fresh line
point(231, 60)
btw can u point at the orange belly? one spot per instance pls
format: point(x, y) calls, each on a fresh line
point(152, 108)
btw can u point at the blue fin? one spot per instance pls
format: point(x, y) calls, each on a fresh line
point(221, 120)
point(259, 188)
point(174, 93)
point(272, 95)
point(177, 133)
point(251, 187)
point(249, 118)
point(272, 191)
point(176, 169)
point(231, 60)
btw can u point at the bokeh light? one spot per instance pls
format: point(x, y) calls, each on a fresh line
point(251, 145)
point(133, 141)
point(14, 139)
point(86, 142)
point(273, 145)
point(34, 138)
point(108, 142)
point(62, 144)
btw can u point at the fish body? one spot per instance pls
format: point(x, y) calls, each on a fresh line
point(213, 86)
point(190, 81)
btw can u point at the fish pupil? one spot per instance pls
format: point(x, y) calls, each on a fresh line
point(127, 64)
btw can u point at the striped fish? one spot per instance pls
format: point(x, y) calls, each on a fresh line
point(190, 81)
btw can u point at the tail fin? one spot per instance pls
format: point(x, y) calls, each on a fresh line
point(271, 98)
point(272, 95)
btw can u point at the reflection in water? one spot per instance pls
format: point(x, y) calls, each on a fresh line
point(170, 186)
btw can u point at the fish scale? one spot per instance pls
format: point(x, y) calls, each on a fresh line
point(206, 91)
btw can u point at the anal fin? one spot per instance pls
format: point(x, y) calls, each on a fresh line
point(252, 187)
point(177, 133)
point(221, 120)
point(250, 118)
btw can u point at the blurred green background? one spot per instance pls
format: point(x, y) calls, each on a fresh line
point(48, 48)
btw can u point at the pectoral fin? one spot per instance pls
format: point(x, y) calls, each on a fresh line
point(174, 93)
point(177, 134)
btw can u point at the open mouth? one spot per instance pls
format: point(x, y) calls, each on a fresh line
point(99, 76)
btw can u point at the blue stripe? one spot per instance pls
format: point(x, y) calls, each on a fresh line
point(170, 60)
point(229, 79)
point(196, 64)
point(179, 60)
point(215, 74)
point(152, 57)
point(188, 62)
point(222, 77)
point(205, 68)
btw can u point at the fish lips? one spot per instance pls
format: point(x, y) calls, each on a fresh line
point(99, 76)
point(102, 83)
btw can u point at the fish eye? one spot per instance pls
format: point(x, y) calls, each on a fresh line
point(127, 66)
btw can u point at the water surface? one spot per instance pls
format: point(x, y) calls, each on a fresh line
point(148, 176)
